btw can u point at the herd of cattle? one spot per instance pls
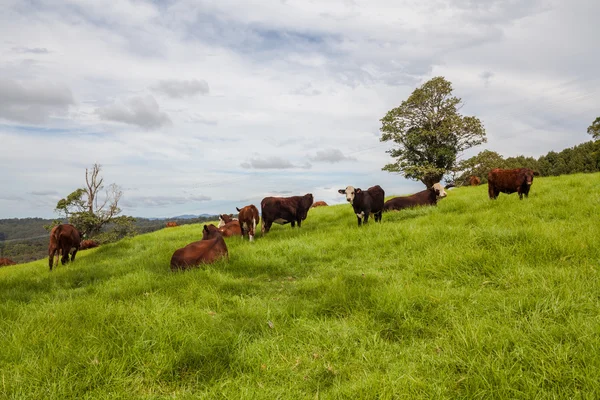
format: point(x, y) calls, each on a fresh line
point(65, 238)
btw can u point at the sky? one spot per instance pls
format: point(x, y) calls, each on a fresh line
point(197, 107)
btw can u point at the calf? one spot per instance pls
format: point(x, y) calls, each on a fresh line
point(231, 228)
point(474, 181)
point(249, 218)
point(283, 210)
point(365, 203)
point(427, 197)
point(211, 248)
point(509, 181)
point(63, 238)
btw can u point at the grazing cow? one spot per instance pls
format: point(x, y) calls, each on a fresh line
point(474, 181)
point(205, 251)
point(171, 224)
point(225, 218)
point(282, 210)
point(427, 197)
point(365, 203)
point(249, 218)
point(88, 244)
point(319, 204)
point(509, 181)
point(63, 238)
point(6, 261)
point(231, 228)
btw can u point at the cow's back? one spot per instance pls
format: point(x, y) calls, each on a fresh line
point(377, 198)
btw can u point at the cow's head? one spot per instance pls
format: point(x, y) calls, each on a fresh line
point(529, 176)
point(439, 190)
point(350, 192)
point(210, 232)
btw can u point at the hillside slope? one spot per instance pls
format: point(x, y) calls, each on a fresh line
point(472, 298)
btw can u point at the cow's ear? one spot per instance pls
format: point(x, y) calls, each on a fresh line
point(357, 190)
point(206, 228)
point(341, 191)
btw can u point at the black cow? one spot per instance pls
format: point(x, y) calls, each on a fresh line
point(365, 203)
point(283, 210)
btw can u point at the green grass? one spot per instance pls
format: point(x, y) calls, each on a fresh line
point(471, 299)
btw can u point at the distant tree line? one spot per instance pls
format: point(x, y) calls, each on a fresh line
point(581, 158)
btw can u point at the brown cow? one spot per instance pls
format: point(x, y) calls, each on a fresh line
point(509, 181)
point(224, 219)
point(63, 238)
point(205, 251)
point(365, 202)
point(474, 181)
point(249, 219)
point(283, 210)
point(231, 229)
point(171, 224)
point(427, 197)
point(88, 244)
point(319, 204)
point(6, 261)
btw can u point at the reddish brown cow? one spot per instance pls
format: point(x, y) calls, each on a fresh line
point(88, 244)
point(6, 261)
point(171, 224)
point(509, 181)
point(474, 181)
point(231, 229)
point(249, 219)
point(283, 210)
point(319, 204)
point(366, 202)
point(205, 251)
point(224, 219)
point(63, 238)
point(427, 197)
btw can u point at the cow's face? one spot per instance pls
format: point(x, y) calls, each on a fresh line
point(529, 177)
point(350, 192)
point(439, 190)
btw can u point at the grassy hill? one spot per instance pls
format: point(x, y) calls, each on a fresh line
point(473, 298)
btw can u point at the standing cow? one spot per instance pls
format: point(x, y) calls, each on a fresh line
point(211, 248)
point(283, 210)
point(427, 197)
point(63, 238)
point(365, 203)
point(249, 219)
point(509, 181)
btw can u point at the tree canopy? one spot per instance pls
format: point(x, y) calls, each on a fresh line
point(594, 129)
point(430, 132)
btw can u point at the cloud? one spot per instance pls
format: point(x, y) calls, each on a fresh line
point(44, 193)
point(142, 111)
point(161, 201)
point(33, 101)
point(486, 77)
point(272, 163)
point(30, 50)
point(178, 88)
point(8, 197)
point(330, 156)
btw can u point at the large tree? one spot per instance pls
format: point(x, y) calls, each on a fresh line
point(594, 129)
point(88, 208)
point(430, 132)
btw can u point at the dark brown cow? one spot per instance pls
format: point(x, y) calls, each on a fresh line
point(427, 197)
point(283, 210)
point(249, 219)
point(208, 250)
point(88, 244)
point(63, 238)
point(474, 181)
point(509, 181)
point(171, 224)
point(224, 219)
point(6, 261)
point(231, 228)
point(319, 204)
point(365, 203)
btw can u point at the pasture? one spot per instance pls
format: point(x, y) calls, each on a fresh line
point(470, 299)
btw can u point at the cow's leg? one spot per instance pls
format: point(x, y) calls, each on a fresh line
point(74, 252)
point(491, 191)
point(293, 224)
point(65, 255)
point(251, 230)
point(359, 220)
point(51, 257)
point(378, 216)
point(299, 223)
point(366, 217)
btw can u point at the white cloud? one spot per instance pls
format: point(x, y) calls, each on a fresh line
point(330, 156)
point(178, 88)
point(142, 111)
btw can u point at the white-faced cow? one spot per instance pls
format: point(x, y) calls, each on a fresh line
point(427, 197)
point(365, 202)
point(283, 210)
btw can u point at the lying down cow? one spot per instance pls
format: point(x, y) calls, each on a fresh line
point(427, 197)
point(365, 202)
point(208, 250)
